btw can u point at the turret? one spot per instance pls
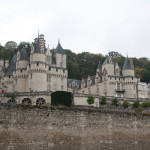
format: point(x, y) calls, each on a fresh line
point(22, 59)
point(108, 66)
point(117, 69)
point(128, 68)
point(60, 56)
point(99, 68)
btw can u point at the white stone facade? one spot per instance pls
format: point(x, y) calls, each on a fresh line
point(110, 81)
point(44, 71)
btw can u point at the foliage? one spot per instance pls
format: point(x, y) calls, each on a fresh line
point(145, 104)
point(114, 54)
point(125, 104)
point(115, 102)
point(12, 96)
point(136, 104)
point(11, 45)
point(61, 98)
point(103, 100)
point(90, 99)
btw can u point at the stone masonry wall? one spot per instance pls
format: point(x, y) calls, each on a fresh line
point(33, 128)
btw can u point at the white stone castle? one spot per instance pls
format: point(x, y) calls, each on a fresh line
point(46, 71)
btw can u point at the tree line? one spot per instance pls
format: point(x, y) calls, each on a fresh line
point(83, 64)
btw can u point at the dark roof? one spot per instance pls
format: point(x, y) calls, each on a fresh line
point(69, 83)
point(107, 60)
point(1, 58)
point(99, 65)
point(59, 49)
point(36, 46)
point(12, 66)
point(127, 65)
point(23, 55)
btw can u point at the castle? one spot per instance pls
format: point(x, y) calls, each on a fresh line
point(46, 71)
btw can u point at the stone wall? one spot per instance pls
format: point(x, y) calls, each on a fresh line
point(33, 128)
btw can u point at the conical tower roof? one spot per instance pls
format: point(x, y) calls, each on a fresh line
point(59, 49)
point(107, 60)
point(23, 55)
point(12, 66)
point(127, 65)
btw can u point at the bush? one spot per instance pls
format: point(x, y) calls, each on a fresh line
point(12, 96)
point(136, 104)
point(115, 102)
point(61, 98)
point(145, 104)
point(103, 100)
point(90, 99)
point(125, 104)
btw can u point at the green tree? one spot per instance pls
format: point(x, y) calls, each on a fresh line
point(115, 102)
point(11, 45)
point(90, 99)
point(125, 104)
point(103, 100)
point(136, 104)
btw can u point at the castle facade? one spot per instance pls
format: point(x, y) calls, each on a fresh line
point(46, 71)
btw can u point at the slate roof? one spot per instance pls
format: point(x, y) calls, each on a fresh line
point(12, 66)
point(59, 49)
point(127, 65)
point(36, 46)
point(107, 60)
point(69, 82)
point(23, 55)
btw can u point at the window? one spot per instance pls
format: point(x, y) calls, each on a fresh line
point(21, 71)
point(49, 68)
point(37, 64)
point(62, 87)
point(117, 70)
point(56, 70)
point(118, 86)
point(61, 64)
point(31, 76)
point(48, 78)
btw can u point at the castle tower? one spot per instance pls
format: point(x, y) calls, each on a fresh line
point(108, 66)
point(128, 68)
point(38, 68)
point(60, 56)
point(21, 72)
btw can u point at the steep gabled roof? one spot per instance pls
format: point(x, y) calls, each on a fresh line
point(23, 55)
point(107, 61)
point(59, 49)
point(12, 66)
point(127, 65)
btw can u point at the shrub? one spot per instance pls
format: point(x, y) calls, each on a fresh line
point(136, 104)
point(103, 100)
point(145, 104)
point(115, 102)
point(61, 98)
point(12, 96)
point(90, 99)
point(125, 104)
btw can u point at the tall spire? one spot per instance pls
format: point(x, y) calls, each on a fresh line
point(59, 48)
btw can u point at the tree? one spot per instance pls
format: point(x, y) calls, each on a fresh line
point(125, 104)
point(90, 99)
point(27, 46)
point(11, 45)
point(136, 104)
point(115, 102)
point(114, 54)
point(103, 100)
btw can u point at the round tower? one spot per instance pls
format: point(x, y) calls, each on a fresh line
point(128, 68)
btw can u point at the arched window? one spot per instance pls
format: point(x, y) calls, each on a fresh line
point(40, 101)
point(26, 101)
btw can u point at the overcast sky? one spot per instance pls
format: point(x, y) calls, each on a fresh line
point(96, 26)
